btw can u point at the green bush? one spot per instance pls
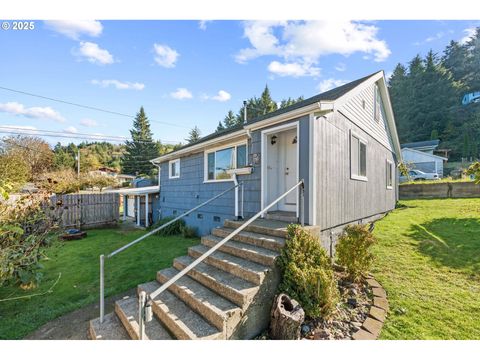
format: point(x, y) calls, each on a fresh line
point(189, 232)
point(173, 229)
point(307, 273)
point(353, 251)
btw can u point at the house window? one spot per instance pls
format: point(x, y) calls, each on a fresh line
point(389, 174)
point(358, 157)
point(377, 104)
point(174, 169)
point(219, 162)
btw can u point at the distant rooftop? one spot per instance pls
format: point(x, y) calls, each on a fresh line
point(427, 144)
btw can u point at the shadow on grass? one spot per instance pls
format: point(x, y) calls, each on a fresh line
point(452, 242)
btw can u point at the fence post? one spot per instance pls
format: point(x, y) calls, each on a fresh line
point(102, 302)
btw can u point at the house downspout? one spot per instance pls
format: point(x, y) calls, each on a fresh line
point(235, 180)
point(159, 173)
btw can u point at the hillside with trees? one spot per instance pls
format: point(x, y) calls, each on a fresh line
point(427, 97)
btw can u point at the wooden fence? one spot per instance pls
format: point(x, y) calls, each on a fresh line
point(87, 210)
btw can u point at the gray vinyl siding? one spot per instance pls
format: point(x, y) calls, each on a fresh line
point(340, 199)
point(353, 110)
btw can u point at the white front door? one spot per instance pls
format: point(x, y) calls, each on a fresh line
point(282, 168)
point(131, 206)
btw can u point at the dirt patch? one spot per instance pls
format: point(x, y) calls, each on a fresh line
point(74, 325)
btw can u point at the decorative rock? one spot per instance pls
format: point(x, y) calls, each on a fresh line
point(381, 303)
point(373, 283)
point(379, 292)
point(305, 329)
point(363, 335)
point(352, 302)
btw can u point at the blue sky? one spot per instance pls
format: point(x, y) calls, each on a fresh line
point(188, 73)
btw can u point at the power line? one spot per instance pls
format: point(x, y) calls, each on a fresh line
point(84, 136)
point(85, 106)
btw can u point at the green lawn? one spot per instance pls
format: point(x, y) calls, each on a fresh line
point(428, 260)
point(78, 264)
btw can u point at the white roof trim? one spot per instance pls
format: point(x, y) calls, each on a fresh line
point(137, 191)
point(424, 153)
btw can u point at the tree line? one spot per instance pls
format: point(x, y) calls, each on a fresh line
point(427, 94)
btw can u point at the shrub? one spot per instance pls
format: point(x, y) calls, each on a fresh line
point(307, 273)
point(173, 229)
point(189, 232)
point(26, 227)
point(353, 251)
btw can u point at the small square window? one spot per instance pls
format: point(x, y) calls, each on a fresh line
point(216, 218)
point(199, 216)
point(174, 212)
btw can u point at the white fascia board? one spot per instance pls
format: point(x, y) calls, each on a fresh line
point(305, 110)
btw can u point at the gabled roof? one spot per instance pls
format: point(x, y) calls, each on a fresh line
point(424, 153)
point(421, 144)
point(327, 96)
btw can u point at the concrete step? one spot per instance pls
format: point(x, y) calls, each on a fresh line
point(261, 226)
point(245, 269)
point(245, 251)
point(231, 287)
point(127, 311)
point(269, 242)
point(285, 216)
point(217, 310)
point(179, 318)
point(110, 329)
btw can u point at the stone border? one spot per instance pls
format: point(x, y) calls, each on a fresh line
point(372, 326)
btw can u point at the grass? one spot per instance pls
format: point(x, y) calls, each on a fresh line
point(78, 285)
point(428, 260)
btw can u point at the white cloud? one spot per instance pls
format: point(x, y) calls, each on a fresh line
point(181, 94)
point(120, 85)
point(202, 24)
point(75, 28)
point(165, 56)
point(294, 69)
point(328, 84)
point(221, 96)
point(31, 112)
point(71, 130)
point(341, 67)
point(469, 32)
point(88, 123)
point(94, 54)
point(305, 42)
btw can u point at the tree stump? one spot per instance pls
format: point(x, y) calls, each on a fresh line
point(287, 317)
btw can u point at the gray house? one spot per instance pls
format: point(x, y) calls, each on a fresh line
point(343, 143)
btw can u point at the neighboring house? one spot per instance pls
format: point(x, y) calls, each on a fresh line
point(343, 143)
point(111, 172)
point(421, 156)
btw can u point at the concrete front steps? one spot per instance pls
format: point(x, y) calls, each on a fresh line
point(227, 296)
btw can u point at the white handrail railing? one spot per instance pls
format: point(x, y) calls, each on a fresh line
point(119, 250)
point(231, 235)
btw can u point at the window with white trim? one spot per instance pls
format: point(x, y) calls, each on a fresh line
point(389, 174)
point(377, 104)
point(358, 157)
point(174, 169)
point(220, 161)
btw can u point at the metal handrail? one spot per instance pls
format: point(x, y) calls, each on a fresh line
point(119, 250)
point(165, 286)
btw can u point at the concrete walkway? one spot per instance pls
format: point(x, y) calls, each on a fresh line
point(74, 325)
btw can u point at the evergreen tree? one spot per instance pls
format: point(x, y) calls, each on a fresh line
point(194, 135)
point(141, 149)
point(434, 134)
point(220, 127)
point(230, 120)
point(289, 102)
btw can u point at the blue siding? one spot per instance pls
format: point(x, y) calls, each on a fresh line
point(182, 194)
